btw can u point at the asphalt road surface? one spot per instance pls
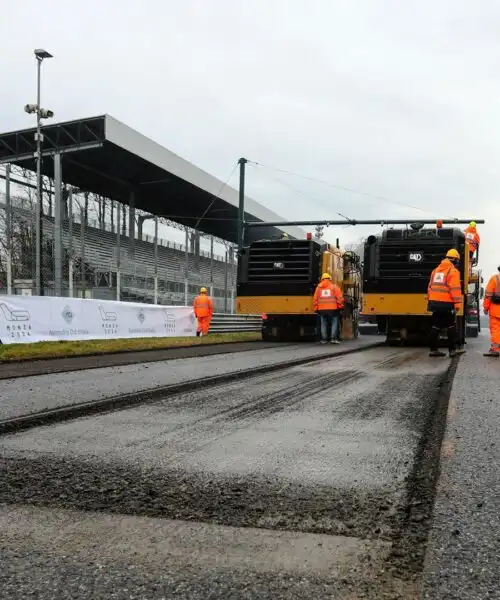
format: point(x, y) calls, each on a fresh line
point(463, 559)
point(20, 396)
point(311, 482)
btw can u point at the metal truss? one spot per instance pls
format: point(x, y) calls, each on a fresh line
point(20, 146)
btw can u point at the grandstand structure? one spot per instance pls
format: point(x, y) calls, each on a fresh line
point(132, 180)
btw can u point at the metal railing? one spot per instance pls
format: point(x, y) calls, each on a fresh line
point(224, 323)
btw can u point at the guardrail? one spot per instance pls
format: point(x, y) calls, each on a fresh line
point(223, 323)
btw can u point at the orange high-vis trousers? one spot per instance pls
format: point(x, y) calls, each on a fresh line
point(495, 333)
point(203, 325)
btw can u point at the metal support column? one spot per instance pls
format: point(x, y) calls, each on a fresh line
point(186, 255)
point(58, 207)
point(233, 277)
point(118, 252)
point(131, 226)
point(82, 249)
point(156, 262)
point(186, 268)
point(212, 264)
point(241, 206)
point(8, 228)
point(225, 281)
point(71, 255)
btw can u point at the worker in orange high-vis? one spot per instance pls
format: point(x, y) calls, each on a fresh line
point(491, 307)
point(445, 298)
point(328, 302)
point(203, 310)
point(473, 239)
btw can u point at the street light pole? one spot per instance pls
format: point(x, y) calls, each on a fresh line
point(40, 54)
point(39, 286)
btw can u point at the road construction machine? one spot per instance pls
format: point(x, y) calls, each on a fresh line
point(277, 279)
point(397, 265)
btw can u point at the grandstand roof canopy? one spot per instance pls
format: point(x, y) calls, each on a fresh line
point(104, 156)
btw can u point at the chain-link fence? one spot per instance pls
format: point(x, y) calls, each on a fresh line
point(97, 257)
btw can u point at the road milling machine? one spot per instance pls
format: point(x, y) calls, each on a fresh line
point(277, 279)
point(396, 270)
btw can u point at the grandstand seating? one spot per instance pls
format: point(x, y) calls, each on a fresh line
point(137, 271)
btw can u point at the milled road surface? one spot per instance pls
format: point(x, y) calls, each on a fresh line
point(310, 482)
point(21, 396)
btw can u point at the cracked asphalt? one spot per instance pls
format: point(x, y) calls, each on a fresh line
point(294, 484)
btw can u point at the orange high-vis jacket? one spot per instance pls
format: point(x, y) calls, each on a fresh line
point(327, 296)
point(472, 238)
point(492, 289)
point(203, 306)
point(444, 284)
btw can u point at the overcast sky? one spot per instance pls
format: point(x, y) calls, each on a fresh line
point(394, 98)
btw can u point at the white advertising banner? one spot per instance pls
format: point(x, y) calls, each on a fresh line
point(28, 319)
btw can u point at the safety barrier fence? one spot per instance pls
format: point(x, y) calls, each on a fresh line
point(224, 323)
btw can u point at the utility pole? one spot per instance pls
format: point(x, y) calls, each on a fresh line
point(241, 206)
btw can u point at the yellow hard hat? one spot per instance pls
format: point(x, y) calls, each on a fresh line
point(326, 276)
point(203, 290)
point(453, 254)
point(472, 224)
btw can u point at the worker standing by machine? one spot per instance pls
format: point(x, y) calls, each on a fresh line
point(445, 298)
point(203, 310)
point(328, 302)
point(491, 307)
point(473, 239)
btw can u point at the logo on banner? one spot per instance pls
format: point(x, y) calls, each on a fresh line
point(141, 317)
point(67, 314)
point(17, 324)
point(170, 321)
point(14, 315)
point(107, 315)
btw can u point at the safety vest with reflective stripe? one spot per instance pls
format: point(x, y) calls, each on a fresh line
point(492, 289)
point(203, 306)
point(472, 237)
point(328, 296)
point(444, 284)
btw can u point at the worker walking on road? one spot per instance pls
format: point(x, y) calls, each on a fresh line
point(203, 310)
point(473, 239)
point(444, 299)
point(491, 307)
point(328, 303)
